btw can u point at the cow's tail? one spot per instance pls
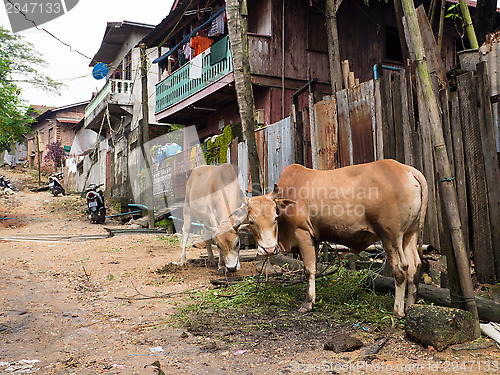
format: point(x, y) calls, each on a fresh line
point(424, 191)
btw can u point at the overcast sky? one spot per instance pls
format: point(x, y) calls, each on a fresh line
point(83, 28)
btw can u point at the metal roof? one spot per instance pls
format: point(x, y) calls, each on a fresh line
point(115, 35)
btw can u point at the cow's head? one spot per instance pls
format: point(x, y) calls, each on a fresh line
point(228, 240)
point(262, 221)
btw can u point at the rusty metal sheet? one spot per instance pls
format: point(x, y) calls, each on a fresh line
point(327, 128)
point(361, 104)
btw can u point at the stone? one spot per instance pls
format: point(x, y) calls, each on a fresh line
point(343, 343)
point(438, 326)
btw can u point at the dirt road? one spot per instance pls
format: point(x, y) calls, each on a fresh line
point(87, 308)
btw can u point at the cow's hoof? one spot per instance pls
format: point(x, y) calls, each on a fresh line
point(306, 307)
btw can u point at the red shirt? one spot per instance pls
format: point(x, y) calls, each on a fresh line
point(200, 44)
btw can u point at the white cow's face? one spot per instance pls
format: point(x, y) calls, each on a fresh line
point(228, 242)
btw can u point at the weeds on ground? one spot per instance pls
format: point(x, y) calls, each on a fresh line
point(341, 298)
point(171, 240)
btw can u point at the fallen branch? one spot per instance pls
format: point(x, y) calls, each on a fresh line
point(488, 310)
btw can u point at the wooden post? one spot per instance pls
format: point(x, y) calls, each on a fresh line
point(145, 136)
point(444, 171)
point(237, 25)
point(399, 17)
point(38, 158)
point(331, 7)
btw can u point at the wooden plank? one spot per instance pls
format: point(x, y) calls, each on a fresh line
point(432, 54)
point(428, 171)
point(360, 115)
point(476, 180)
point(345, 73)
point(487, 131)
point(388, 120)
point(406, 115)
point(445, 111)
point(298, 132)
point(345, 146)
point(458, 156)
point(379, 121)
point(397, 110)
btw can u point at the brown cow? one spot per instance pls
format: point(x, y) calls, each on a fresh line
point(212, 193)
point(354, 206)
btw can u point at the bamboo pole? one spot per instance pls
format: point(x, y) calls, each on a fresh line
point(442, 162)
point(468, 24)
point(441, 27)
point(238, 26)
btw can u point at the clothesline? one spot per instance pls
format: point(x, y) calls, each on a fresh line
point(184, 41)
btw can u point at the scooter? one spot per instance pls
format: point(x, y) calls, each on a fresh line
point(5, 182)
point(55, 186)
point(95, 204)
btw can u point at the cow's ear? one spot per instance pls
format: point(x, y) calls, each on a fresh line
point(283, 204)
point(239, 216)
point(244, 228)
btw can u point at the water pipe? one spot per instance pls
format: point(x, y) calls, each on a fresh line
point(375, 69)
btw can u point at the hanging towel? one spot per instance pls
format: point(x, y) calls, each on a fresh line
point(218, 51)
point(195, 67)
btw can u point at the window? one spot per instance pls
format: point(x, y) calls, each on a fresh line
point(316, 30)
point(51, 136)
point(392, 45)
point(259, 17)
point(127, 66)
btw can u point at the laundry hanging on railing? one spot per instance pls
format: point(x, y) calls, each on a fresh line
point(164, 57)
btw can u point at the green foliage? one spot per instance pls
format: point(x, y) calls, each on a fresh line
point(171, 240)
point(216, 152)
point(341, 297)
point(18, 64)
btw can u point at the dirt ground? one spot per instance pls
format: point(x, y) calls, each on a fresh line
point(86, 308)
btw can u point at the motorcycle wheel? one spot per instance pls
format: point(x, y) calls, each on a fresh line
point(55, 192)
point(101, 216)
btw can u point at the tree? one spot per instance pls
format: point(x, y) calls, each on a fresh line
point(237, 25)
point(55, 153)
point(19, 63)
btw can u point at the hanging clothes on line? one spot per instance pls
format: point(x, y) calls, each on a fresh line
point(218, 25)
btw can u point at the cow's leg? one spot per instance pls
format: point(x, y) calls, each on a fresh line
point(308, 253)
point(186, 227)
point(395, 255)
point(410, 243)
point(207, 237)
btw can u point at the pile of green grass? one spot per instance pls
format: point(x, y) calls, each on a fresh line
point(341, 298)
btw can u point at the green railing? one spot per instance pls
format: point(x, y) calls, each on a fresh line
point(179, 85)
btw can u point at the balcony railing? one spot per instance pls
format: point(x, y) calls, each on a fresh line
point(113, 86)
point(179, 86)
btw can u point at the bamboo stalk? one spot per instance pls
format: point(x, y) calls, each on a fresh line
point(441, 26)
point(468, 24)
point(442, 162)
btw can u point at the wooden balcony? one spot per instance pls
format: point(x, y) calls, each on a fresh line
point(179, 86)
point(117, 94)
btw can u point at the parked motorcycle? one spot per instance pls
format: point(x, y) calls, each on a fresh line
point(5, 182)
point(55, 185)
point(95, 204)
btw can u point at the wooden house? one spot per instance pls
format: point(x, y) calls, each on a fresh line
point(287, 49)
